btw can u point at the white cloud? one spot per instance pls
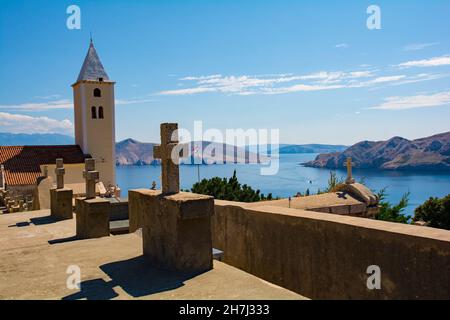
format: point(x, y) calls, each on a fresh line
point(372, 78)
point(418, 101)
point(40, 106)
point(214, 76)
point(419, 46)
point(431, 62)
point(375, 81)
point(268, 84)
point(19, 123)
point(421, 77)
point(179, 92)
point(302, 87)
point(61, 104)
point(341, 45)
point(49, 97)
point(120, 102)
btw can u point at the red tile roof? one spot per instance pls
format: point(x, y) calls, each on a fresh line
point(22, 163)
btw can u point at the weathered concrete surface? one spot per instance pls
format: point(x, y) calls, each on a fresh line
point(61, 203)
point(325, 256)
point(136, 202)
point(111, 268)
point(92, 217)
point(176, 229)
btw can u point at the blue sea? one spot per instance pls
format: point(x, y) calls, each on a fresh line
point(292, 178)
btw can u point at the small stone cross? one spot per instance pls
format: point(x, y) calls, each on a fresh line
point(60, 171)
point(91, 176)
point(170, 174)
point(349, 179)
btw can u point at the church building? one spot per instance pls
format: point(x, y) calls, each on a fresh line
point(93, 96)
point(23, 166)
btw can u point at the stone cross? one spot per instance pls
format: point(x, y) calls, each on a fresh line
point(349, 179)
point(60, 171)
point(91, 176)
point(170, 175)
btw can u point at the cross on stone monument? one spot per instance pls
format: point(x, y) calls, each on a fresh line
point(60, 171)
point(170, 175)
point(60, 197)
point(91, 176)
point(349, 179)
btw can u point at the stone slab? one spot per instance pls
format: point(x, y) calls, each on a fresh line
point(61, 203)
point(360, 192)
point(92, 216)
point(176, 229)
point(136, 203)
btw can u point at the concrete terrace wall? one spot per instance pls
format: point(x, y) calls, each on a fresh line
point(325, 256)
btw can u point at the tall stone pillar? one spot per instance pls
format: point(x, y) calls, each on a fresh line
point(176, 226)
point(60, 197)
point(92, 212)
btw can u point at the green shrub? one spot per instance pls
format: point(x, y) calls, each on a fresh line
point(231, 189)
point(393, 213)
point(435, 212)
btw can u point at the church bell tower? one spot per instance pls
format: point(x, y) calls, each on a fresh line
point(94, 115)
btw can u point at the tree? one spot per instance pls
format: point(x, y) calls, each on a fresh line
point(231, 189)
point(393, 213)
point(435, 212)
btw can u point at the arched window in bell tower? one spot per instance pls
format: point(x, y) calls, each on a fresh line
point(94, 113)
point(97, 92)
point(100, 112)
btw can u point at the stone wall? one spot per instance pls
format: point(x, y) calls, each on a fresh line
point(325, 256)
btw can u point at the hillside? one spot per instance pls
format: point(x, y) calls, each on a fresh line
point(397, 153)
point(133, 152)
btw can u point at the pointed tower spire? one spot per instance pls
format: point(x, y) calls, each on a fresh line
point(92, 68)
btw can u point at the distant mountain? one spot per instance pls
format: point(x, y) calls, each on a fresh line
point(133, 152)
point(310, 148)
point(431, 153)
point(22, 139)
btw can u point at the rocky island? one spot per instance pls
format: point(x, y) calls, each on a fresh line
point(397, 153)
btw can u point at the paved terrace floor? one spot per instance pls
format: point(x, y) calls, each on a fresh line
point(36, 252)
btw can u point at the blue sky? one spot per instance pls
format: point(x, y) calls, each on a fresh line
point(310, 68)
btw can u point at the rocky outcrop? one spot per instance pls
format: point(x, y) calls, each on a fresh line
point(431, 153)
